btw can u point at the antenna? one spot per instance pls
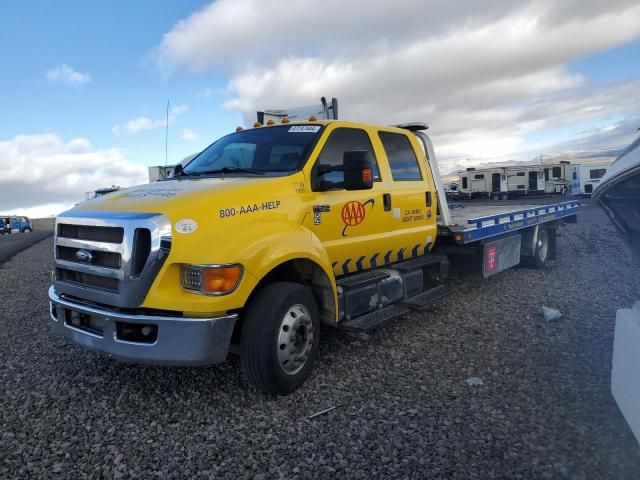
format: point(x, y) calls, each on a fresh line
point(166, 138)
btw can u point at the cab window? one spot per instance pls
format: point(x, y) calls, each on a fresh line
point(342, 140)
point(402, 159)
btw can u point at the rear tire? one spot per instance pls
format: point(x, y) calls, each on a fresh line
point(541, 255)
point(27, 230)
point(280, 337)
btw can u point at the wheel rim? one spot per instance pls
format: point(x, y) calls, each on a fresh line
point(543, 246)
point(295, 339)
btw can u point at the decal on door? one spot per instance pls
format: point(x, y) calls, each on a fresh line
point(353, 213)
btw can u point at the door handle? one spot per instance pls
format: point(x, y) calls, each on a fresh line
point(386, 200)
point(428, 198)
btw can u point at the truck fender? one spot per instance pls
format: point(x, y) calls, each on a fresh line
point(294, 249)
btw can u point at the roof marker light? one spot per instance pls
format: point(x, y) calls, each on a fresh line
point(284, 120)
point(312, 118)
point(257, 124)
point(270, 122)
point(239, 129)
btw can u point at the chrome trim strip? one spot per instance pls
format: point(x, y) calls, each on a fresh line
point(90, 245)
point(91, 269)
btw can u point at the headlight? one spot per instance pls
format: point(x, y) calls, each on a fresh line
point(211, 279)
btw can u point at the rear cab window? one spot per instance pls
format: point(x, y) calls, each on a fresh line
point(402, 158)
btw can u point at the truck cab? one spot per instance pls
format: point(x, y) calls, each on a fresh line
point(261, 238)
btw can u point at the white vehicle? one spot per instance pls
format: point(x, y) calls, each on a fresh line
point(585, 178)
point(557, 178)
point(502, 183)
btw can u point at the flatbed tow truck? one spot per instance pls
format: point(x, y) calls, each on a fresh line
point(270, 232)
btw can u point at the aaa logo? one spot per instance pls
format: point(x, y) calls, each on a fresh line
point(353, 213)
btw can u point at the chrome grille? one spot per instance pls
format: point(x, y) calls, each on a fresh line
point(109, 258)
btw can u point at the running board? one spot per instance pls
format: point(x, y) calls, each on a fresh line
point(424, 300)
point(362, 278)
point(375, 319)
point(418, 262)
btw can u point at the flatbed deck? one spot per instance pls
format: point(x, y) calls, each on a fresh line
point(476, 222)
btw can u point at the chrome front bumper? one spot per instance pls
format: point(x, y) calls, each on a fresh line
point(173, 341)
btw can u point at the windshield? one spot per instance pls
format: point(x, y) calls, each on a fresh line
point(278, 150)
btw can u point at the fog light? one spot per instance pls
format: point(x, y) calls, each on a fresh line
point(211, 279)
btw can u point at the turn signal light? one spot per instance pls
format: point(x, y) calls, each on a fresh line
point(367, 176)
point(211, 280)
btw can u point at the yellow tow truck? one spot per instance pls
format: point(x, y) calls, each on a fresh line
point(270, 232)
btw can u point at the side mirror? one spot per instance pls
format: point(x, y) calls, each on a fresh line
point(177, 170)
point(357, 168)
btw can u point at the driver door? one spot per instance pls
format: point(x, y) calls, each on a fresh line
point(352, 225)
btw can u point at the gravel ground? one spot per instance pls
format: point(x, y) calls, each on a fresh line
point(15, 243)
point(403, 407)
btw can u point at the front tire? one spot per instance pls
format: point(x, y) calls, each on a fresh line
point(280, 337)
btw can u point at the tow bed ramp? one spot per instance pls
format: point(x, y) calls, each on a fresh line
point(474, 223)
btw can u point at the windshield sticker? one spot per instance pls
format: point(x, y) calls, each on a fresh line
point(250, 208)
point(186, 226)
point(304, 129)
point(353, 213)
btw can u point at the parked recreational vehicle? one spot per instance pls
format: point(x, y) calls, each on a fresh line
point(502, 182)
point(585, 178)
point(557, 178)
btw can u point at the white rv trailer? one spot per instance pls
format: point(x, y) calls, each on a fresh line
point(585, 178)
point(557, 177)
point(500, 183)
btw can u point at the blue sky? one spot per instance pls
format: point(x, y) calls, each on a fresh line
point(111, 41)
point(84, 85)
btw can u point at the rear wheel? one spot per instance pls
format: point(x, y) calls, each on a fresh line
point(27, 230)
point(280, 337)
point(541, 254)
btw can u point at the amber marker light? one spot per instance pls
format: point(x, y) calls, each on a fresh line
point(257, 124)
point(270, 122)
point(313, 118)
point(239, 129)
point(367, 176)
point(211, 279)
point(284, 120)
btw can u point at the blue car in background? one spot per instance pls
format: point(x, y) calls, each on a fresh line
point(15, 225)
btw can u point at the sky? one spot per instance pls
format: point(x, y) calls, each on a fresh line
point(84, 85)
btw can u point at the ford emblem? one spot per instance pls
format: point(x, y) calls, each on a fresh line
point(84, 256)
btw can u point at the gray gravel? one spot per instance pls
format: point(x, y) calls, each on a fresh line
point(404, 410)
point(15, 243)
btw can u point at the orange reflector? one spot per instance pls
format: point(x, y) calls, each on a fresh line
point(239, 129)
point(270, 122)
point(257, 124)
point(458, 237)
point(367, 176)
point(220, 279)
point(284, 120)
point(312, 118)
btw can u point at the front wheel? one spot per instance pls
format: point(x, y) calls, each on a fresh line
point(280, 337)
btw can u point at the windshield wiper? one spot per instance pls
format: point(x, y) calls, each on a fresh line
point(253, 171)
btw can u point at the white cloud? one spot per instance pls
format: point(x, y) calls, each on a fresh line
point(43, 175)
point(188, 135)
point(484, 75)
point(68, 76)
point(143, 123)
